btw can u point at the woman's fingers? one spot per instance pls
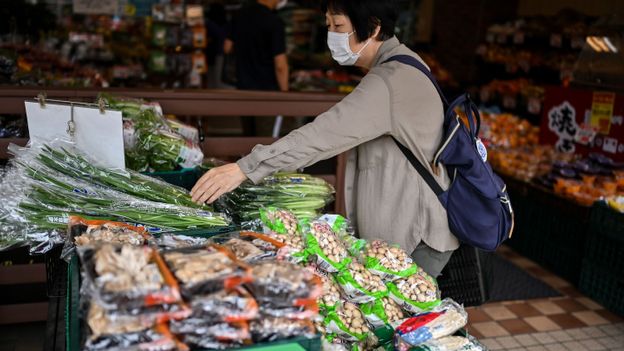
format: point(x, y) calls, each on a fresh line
point(210, 190)
point(217, 182)
point(201, 182)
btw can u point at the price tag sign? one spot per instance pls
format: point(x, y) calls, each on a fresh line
point(585, 135)
point(602, 112)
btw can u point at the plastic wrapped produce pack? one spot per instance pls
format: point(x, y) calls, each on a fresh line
point(416, 293)
point(206, 270)
point(127, 277)
point(442, 321)
point(330, 252)
point(45, 185)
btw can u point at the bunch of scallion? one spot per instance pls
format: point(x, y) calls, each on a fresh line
point(151, 142)
point(303, 194)
point(48, 184)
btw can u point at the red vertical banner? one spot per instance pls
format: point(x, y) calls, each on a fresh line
point(584, 121)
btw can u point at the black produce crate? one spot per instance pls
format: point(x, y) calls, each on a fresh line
point(602, 285)
point(550, 230)
point(19, 255)
point(605, 245)
point(56, 272)
point(466, 277)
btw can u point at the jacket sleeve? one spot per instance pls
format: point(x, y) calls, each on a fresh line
point(363, 115)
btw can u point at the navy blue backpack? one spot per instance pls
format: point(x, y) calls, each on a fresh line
point(477, 204)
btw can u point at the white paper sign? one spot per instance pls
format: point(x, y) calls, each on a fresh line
point(100, 135)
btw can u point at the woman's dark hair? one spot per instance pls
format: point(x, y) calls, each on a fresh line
point(366, 15)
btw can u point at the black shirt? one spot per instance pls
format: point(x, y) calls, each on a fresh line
point(258, 35)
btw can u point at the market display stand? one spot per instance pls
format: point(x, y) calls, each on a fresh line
point(73, 326)
point(602, 270)
point(550, 230)
point(22, 287)
point(199, 104)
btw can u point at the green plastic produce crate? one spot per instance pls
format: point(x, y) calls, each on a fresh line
point(184, 178)
point(604, 286)
point(73, 327)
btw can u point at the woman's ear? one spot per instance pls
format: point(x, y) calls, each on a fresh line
point(376, 33)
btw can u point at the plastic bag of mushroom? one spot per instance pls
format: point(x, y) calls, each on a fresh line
point(279, 221)
point(359, 284)
point(326, 248)
point(348, 323)
point(416, 293)
point(382, 312)
point(387, 261)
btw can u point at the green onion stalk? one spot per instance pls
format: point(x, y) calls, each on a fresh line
point(127, 182)
point(129, 107)
point(168, 151)
point(56, 191)
point(43, 187)
point(303, 194)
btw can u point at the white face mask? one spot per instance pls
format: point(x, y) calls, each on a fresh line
point(341, 50)
point(281, 4)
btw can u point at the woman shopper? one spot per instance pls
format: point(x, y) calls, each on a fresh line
point(385, 196)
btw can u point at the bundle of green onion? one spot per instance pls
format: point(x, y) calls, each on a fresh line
point(152, 142)
point(303, 194)
point(48, 184)
point(168, 150)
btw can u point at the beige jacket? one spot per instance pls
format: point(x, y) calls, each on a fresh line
point(385, 197)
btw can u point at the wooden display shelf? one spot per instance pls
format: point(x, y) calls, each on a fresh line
point(4, 144)
point(199, 103)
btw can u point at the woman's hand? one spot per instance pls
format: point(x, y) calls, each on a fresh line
point(216, 182)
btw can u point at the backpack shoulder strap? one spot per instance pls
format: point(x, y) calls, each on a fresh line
point(420, 168)
point(414, 62)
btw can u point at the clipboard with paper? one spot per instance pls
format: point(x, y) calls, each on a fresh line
point(93, 128)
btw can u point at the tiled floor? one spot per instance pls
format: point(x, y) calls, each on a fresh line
point(570, 322)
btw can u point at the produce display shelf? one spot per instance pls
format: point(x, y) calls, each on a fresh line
point(605, 245)
point(550, 230)
point(74, 329)
point(601, 284)
point(602, 274)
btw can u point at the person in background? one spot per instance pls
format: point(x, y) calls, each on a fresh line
point(385, 197)
point(216, 27)
point(258, 40)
